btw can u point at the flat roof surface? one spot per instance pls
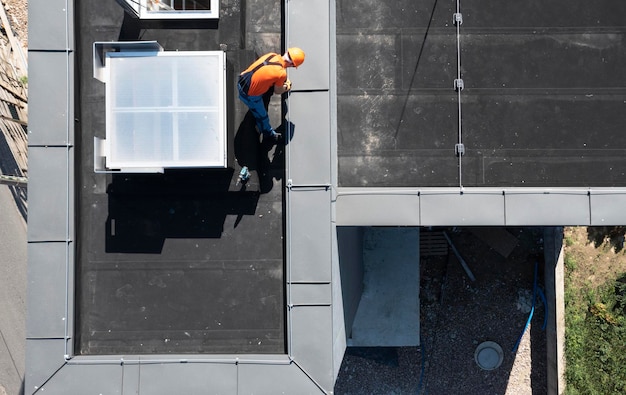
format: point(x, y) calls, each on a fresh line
point(543, 102)
point(189, 261)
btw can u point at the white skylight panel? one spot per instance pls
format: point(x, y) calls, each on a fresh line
point(165, 110)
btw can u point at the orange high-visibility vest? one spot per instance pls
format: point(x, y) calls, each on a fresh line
point(266, 71)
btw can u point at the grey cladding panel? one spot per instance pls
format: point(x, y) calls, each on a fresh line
point(377, 208)
point(309, 149)
point(43, 358)
point(86, 379)
point(461, 209)
point(130, 383)
point(48, 194)
point(547, 209)
point(311, 343)
point(264, 379)
point(46, 290)
point(48, 103)
point(188, 378)
point(48, 25)
point(607, 208)
point(311, 294)
point(309, 236)
point(308, 27)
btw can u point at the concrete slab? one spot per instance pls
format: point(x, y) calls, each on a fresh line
point(388, 314)
point(12, 294)
point(499, 239)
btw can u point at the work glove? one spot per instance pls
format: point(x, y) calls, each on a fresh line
point(287, 85)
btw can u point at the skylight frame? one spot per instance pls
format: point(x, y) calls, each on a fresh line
point(177, 122)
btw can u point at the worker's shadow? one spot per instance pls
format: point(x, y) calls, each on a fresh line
point(260, 154)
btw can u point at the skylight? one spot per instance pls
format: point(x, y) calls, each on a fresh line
point(163, 109)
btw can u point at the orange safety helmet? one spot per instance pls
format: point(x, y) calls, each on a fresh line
point(296, 55)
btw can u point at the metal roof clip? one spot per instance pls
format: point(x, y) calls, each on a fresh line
point(458, 84)
point(459, 149)
point(457, 18)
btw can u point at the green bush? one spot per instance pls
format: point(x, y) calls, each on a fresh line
point(595, 339)
point(570, 263)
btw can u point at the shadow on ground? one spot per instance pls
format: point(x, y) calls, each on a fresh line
point(458, 314)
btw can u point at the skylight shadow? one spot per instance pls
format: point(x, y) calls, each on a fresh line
point(144, 210)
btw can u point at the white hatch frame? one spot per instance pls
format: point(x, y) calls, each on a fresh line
point(174, 9)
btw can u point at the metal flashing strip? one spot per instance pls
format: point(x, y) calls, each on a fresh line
point(459, 148)
point(166, 359)
point(101, 48)
point(309, 194)
point(291, 185)
point(160, 9)
point(346, 191)
point(479, 206)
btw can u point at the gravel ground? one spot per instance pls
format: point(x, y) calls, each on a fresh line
point(456, 316)
point(17, 13)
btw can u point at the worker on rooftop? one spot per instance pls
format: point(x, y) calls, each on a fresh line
point(267, 73)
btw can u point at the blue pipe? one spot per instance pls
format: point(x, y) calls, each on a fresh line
point(532, 309)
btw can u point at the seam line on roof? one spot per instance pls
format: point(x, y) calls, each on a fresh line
point(65, 50)
point(458, 86)
point(417, 62)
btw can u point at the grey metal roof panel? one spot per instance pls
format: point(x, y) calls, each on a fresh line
point(310, 294)
point(309, 149)
point(547, 209)
point(311, 343)
point(341, 310)
point(309, 235)
point(308, 27)
point(187, 378)
point(265, 379)
point(49, 101)
point(44, 357)
point(603, 208)
point(82, 379)
point(472, 208)
point(377, 206)
point(479, 206)
point(47, 273)
point(50, 193)
point(48, 26)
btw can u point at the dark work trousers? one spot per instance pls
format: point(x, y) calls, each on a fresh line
point(257, 107)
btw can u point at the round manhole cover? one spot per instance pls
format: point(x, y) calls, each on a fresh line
point(488, 355)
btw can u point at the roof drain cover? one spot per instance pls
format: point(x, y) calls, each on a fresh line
point(488, 355)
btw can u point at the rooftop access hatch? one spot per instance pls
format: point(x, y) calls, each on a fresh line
point(164, 109)
point(172, 9)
